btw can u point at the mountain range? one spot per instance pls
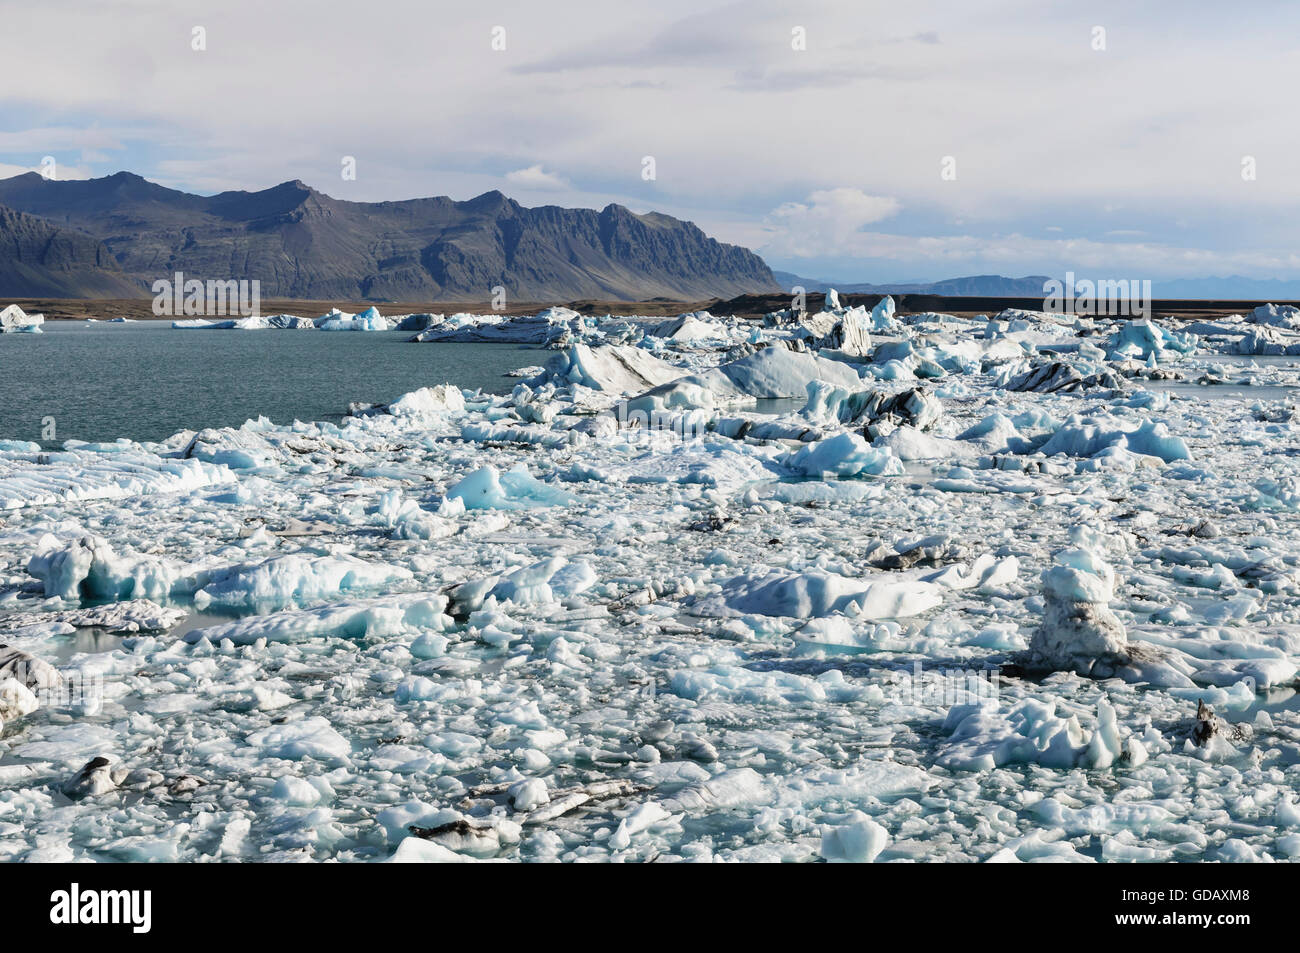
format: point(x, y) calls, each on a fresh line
point(1233, 287)
point(115, 236)
point(975, 286)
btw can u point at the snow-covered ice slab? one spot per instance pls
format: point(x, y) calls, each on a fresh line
point(610, 368)
point(39, 479)
point(769, 374)
point(379, 617)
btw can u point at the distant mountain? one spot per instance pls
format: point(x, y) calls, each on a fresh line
point(975, 286)
point(41, 260)
point(301, 243)
point(1234, 288)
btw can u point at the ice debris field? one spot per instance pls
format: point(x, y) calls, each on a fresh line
point(843, 586)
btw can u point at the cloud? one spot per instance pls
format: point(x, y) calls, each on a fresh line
point(61, 171)
point(953, 255)
point(827, 224)
point(49, 138)
point(724, 34)
point(534, 179)
point(753, 139)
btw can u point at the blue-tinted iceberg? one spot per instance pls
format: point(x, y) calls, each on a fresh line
point(516, 489)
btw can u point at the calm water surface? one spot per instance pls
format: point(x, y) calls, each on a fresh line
point(146, 380)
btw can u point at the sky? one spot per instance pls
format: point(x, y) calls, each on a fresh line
point(861, 141)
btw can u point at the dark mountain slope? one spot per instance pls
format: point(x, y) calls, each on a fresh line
point(41, 260)
point(301, 243)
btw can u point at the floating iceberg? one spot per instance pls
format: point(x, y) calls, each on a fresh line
point(13, 319)
point(1283, 316)
point(1033, 733)
point(611, 369)
point(817, 594)
point(847, 333)
point(368, 320)
point(1143, 338)
point(443, 399)
point(693, 328)
point(771, 373)
point(844, 455)
point(1094, 436)
point(382, 617)
point(878, 410)
point(252, 323)
point(552, 327)
point(1079, 632)
point(88, 568)
point(293, 580)
point(516, 489)
point(1059, 378)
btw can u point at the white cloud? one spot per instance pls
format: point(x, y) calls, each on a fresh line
point(1016, 254)
point(827, 224)
point(61, 172)
point(1054, 133)
point(535, 179)
point(49, 138)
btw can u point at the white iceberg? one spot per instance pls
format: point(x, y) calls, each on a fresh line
point(14, 320)
point(516, 489)
point(768, 374)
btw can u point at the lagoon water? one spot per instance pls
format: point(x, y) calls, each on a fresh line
point(146, 380)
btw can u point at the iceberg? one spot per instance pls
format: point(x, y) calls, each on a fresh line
point(1094, 436)
point(1060, 378)
point(1143, 338)
point(14, 320)
point(255, 322)
point(1282, 316)
point(88, 568)
point(552, 328)
point(882, 315)
point(610, 368)
point(294, 579)
point(693, 328)
point(844, 333)
point(983, 738)
point(443, 399)
point(368, 320)
point(844, 455)
point(516, 489)
point(80, 475)
point(880, 411)
point(772, 373)
point(1079, 633)
point(817, 594)
point(380, 617)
